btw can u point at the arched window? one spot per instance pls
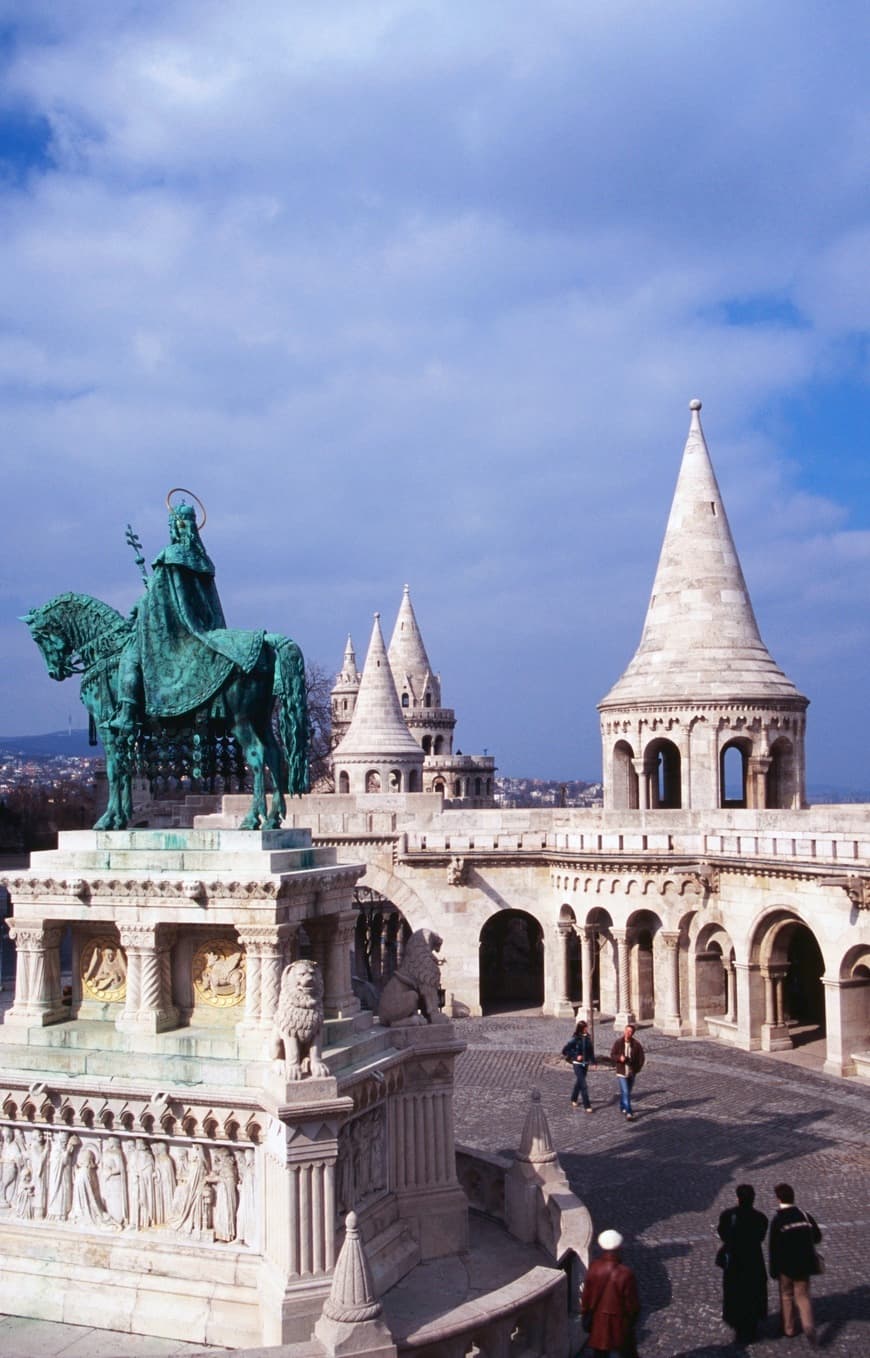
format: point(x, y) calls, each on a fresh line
point(412, 780)
point(438, 785)
point(373, 781)
point(406, 701)
point(477, 787)
point(733, 763)
point(439, 745)
point(624, 781)
point(457, 787)
point(344, 781)
point(395, 780)
point(427, 700)
point(427, 744)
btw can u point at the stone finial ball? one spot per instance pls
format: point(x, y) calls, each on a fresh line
point(694, 404)
point(350, 1221)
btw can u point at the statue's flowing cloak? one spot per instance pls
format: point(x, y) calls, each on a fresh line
point(185, 648)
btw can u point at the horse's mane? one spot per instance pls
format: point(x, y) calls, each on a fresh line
point(99, 614)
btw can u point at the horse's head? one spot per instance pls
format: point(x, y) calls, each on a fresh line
point(55, 647)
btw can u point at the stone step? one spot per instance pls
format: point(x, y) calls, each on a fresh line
point(160, 1069)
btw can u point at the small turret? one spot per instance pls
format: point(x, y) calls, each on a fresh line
point(344, 693)
point(377, 753)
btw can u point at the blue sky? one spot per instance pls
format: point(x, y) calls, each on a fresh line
point(412, 291)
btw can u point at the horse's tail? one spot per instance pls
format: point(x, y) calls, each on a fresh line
point(291, 691)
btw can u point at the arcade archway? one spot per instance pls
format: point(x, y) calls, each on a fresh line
point(511, 962)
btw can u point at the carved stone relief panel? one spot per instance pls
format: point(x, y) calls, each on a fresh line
point(129, 1183)
point(219, 973)
point(103, 970)
point(361, 1168)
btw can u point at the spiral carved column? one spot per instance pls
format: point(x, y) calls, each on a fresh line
point(148, 1006)
point(38, 999)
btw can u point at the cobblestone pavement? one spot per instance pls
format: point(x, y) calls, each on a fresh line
point(708, 1118)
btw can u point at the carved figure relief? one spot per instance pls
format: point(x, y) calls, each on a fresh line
point(299, 1020)
point(219, 973)
point(361, 1167)
point(60, 1176)
point(11, 1156)
point(113, 1182)
point(208, 1194)
point(104, 970)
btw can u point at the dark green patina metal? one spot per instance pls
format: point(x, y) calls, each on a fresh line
point(173, 687)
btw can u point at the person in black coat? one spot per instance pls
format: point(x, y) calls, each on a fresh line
point(744, 1280)
point(580, 1053)
point(793, 1261)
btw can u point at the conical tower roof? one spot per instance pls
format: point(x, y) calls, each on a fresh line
point(700, 640)
point(377, 727)
point(408, 658)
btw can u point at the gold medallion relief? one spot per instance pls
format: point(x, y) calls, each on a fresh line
point(104, 970)
point(219, 973)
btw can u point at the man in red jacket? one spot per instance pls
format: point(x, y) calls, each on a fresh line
point(610, 1304)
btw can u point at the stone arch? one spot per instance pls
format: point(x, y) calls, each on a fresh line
point(344, 781)
point(734, 772)
point(663, 772)
point(643, 954)
point(715, 989)
point(373, 781)
point(623, 778)
point(787, 953)
point(412, 781)
point(853, 992)
point(380, 935)
point(598, 928)
point(511, 952)
point(568, 961)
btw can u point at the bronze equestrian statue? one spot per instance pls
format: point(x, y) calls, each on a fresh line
point(173, 662)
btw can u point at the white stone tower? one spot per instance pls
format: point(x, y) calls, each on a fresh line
point(419, 689)
point(703, 717)
point(378, 752)
point(344, 693)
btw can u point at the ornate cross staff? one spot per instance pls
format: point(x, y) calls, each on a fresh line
point(134, 542)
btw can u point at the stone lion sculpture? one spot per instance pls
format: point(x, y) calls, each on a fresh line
point(414, 986)
point(299, 1020)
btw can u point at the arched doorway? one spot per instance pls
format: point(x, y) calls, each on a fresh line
point(643, 926)
point(791, 967)
point(511, 962)
point(803, 992)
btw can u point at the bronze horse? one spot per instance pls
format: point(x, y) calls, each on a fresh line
point(78, 634)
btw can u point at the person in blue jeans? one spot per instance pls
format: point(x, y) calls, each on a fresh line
point(581, 1055)
point(627, 1056)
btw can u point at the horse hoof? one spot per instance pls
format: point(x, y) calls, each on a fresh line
point(250, 823)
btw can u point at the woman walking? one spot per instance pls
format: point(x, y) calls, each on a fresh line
point(744, 1279)
point(581, 1055)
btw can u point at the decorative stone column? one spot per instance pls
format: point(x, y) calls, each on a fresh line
point(267, 947)
point(673, 1021)
point(845, 1023)
point(148, 1006)
point(756, 781)
point(731, 980)
point(642, 771)
point(624, 1015)
point(38, 997)
point(562, 1006)
point(774, 1030)
point(588, 944)
point(332, 939)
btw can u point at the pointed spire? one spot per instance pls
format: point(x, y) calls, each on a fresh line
point(377, 726)
point(700, 639)
point(352, 1295)
point(536, 1143)
point(408, 659)
point(348, 675)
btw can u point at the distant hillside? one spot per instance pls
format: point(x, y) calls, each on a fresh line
point(50, 745)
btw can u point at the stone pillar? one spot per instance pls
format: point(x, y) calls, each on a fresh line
point(562, 1006)
point(756, 782)
point(148, 1006)
point(332, 938)
point(846, 1019)
point(588, 943)
point(774, 1031)
point(731, 975)
point(38, 998)
point(640, 768)
point(267, 947)
point(624, 1015)
point(673, 1020)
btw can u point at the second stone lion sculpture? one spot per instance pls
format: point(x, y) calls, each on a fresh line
point(414, 985)
point(299, 1021)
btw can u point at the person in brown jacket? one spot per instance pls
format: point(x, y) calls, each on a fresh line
point(609, 1303)
point(627, 1056)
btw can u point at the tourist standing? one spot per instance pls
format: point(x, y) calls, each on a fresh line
point(580, 1053)
point(610, 1303)
point(627, 1056)
point(793, 1261)
point(744, 1280)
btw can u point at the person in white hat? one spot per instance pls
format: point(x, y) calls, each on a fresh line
point(610, 1303)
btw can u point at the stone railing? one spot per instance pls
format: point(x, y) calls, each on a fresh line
point(529, 1315)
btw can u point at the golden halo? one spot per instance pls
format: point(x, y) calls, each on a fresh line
point(180, 490)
